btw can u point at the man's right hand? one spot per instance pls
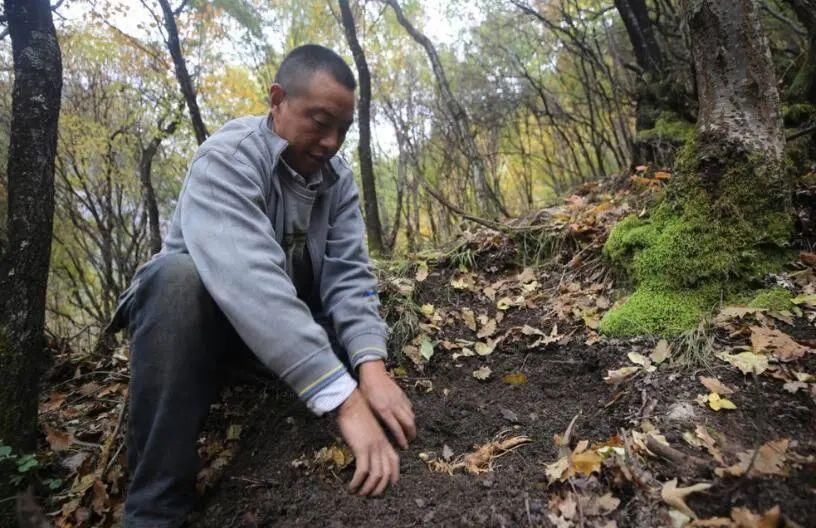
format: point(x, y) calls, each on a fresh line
point(377, 463)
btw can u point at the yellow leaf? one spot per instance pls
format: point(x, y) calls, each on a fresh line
point(717, 403)
point(517, 378)
point(422, 272)
point(427, 310)
point(488, 329)
point(485, 349)
point(586, 463)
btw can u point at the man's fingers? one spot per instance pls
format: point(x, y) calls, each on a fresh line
point(388, 471)
point(395, 467)
point(395, 426)
point(360, 472)
point(406, 420)
point(375, 473)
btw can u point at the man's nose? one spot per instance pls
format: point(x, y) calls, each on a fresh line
point(332, 140)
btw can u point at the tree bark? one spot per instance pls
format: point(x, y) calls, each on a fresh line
point(371, 207)
point(458, 117)
point(24, 267)
point(145, 176)
point(739, 102)
point(183, 77)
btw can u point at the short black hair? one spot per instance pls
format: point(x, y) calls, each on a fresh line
point(301, 63)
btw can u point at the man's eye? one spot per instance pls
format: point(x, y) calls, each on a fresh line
point(320, 124)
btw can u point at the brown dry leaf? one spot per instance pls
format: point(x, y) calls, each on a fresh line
point(676, 497)
point(58, 440)
point(54, 402)
point(745, 518)
point(775, 342)
point(735, 312)
point(89, 388)
point(482, 373)
point(528, 275)
point(469, 318)
point(620, 375)
point(608, 502)
point(716, 386)
point(488, 329)
point(770, 460)
point(709, 443)
point(101, 501)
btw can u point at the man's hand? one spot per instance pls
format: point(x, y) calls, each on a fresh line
point(377, 464)
point(388, 401)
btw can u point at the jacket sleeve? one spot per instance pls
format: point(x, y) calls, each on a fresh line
point(231, 241)
point(348, 287)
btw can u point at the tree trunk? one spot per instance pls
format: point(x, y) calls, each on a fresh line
point(183, 77)
point(458, 118)
point(372, 212)
point(727, 216)
point(24, 267)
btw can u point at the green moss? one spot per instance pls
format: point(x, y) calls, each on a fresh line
point(714, 233)
point(651, 310)
point(668, 127)
point(776, 299)
point(797, 113)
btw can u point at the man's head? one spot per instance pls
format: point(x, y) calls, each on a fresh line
point(312, 105)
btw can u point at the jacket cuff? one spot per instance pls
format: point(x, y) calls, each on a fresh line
point(311, 375)
point(366, 347)
point(331, 396)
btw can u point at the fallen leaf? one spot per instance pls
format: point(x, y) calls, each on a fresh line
point(482, 373)
point(516, 378)
point(526, 276)
point(716, 386)
point(427, 310)
point(469, 318)
point(447, 453)
point(710, 444)
point(487, 330)
point(747, 362)
point(586, 462)
point(717, 403)
point(620, 375)
point(745, 518)
point(775, 342)
point(484, 349)
point(422, 272)
point(234, 432)
point(426, 349)
point(643, 361)
point(661, 352)
point(101, 500)
point(556, 470)
point(676, 497)
point(770, 460)
point(794, 386)
point(608, 502)
point(58, 440)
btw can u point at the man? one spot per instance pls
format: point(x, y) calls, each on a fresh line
point(265, 251)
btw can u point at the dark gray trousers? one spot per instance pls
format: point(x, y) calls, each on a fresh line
point(182, 349)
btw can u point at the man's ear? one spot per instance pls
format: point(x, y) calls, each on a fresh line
point(276, 95)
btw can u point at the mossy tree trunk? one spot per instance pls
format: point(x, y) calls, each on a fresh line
point(24, 267)
point(726, 215)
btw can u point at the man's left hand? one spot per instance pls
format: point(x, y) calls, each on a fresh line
point(388, 401)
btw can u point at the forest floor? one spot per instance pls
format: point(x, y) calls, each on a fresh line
point(526, 416)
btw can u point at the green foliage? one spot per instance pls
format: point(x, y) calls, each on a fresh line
point(669, 127)
point(23, 464)
point(776, 299)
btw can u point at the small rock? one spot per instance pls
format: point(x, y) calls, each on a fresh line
point(681, 412)
point(487, 483)
point(419, 502)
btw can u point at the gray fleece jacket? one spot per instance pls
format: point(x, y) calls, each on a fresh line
point(230, 218)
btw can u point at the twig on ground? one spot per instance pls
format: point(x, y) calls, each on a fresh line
point(678, 458)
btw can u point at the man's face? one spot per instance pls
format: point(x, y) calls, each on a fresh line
point(314, 121)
